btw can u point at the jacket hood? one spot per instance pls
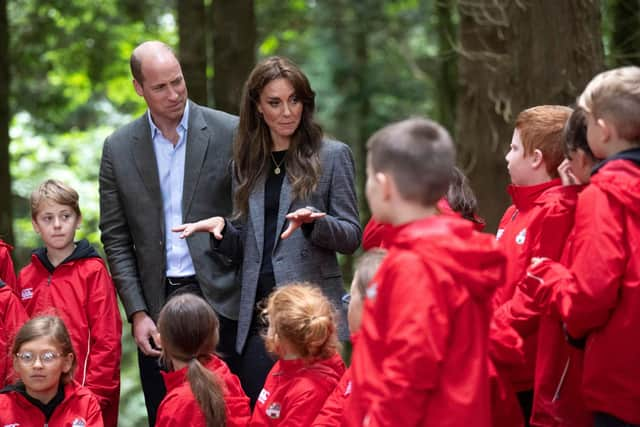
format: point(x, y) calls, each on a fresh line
point(331, 368)
point(473, 259)
point(619, 177)
point(82, 250)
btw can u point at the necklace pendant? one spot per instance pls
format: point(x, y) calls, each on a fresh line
point(276, 170)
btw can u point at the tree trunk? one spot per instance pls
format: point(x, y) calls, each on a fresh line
point(234, 41)
point(514, 55)
point(193, 48)
point(446, 84)
point(625, 40)
point(6, 229)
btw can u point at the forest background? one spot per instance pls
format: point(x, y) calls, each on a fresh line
point(470, 64)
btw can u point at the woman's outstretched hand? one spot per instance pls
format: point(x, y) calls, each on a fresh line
point(213, 225)
point(301, 216)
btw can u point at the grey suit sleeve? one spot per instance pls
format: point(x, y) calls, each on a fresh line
point(340, 229)
point(116, 238)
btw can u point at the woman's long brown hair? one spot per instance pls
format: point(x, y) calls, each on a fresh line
point(253, 144)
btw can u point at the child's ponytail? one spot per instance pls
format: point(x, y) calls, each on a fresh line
point(207, 390)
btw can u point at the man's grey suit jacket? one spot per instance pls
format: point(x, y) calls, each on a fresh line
point(131, 210)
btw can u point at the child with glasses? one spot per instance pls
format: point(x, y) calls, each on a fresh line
point(45, 394)
point(69, 279)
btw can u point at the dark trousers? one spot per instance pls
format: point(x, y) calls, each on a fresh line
point(601, 419)
point(255, 364)
point(525, 398)
point(152, 383)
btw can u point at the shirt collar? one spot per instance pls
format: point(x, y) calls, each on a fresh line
point(184, 122)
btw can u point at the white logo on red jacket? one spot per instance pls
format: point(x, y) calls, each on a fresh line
point(347, 391)
point(372, 290)
point(499, 233)
point(26, 293)
point(273, 411)
point(79, 422)
point(522, 236)
point(264, 395)
point(12, 425)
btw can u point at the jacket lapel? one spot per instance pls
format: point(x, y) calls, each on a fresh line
point(196, 150)
point(145, 160)
point(283, 208)
point(256, 211)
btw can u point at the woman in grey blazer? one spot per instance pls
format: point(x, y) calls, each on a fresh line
point(295, 205)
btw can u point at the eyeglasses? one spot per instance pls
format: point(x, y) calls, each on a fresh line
point(28, 358)
point(346, 299)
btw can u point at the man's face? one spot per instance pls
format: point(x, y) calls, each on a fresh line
point(164, 89)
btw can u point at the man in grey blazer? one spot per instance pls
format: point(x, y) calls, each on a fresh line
point(170, 166)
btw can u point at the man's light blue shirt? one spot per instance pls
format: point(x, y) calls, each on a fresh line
point(171, 161)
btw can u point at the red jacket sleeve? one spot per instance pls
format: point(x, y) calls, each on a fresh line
point(103, 370)
point(417, 336)
point(375, 235)
point(12, 316)
point(305, 405)
point(7, 272)
point(331, 413)
point(597, 262)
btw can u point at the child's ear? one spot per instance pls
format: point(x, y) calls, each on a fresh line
point(67, 363)
point(537, 159)
point(607, 130)
point(36, 228)
point(386, 184)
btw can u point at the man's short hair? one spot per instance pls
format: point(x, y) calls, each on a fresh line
point(614, 95)
point(541, 128)
point(135, 61)
point(54, 191)
point(419, 154)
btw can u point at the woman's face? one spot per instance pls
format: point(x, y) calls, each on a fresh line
point(40, 365)
point(281, 110)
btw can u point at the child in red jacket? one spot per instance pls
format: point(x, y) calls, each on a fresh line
point(201, 390)
point(598, 297)
point(537, 224)
point(332, 411)
point(70, 279)
point(46, 394)
point(423, 342)
point(7, 273)
point(302, 334)
point(12, 316)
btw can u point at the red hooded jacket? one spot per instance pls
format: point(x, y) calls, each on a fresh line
point(179, 407)
point(422, 355)
point(12, 316)
point(7, 273)
point(599, 297)
point(536, 225)
point(81, 292)
point(78, 409)
point(295, 391)
point(333, 409)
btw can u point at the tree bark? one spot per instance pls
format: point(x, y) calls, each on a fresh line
point(514, 55)
point(234, 41)
point(446, 84)
point(193, 48)
point(6, 228)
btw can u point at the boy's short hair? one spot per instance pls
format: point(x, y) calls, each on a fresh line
point(575, 134)
point(541, 128)
point(614, 95)
point(366, 267)
point(56, 191)
point(419, 154)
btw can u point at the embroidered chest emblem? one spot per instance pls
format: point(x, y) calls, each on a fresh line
point(521, 237)
point(372, 291)
point(79, 422)
point(264, 395)
point(26, 294)
point(273, 411)
point(499, 233)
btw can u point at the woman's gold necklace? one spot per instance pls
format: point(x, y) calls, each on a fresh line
point(277, 165)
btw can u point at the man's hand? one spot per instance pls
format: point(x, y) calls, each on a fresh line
point(299, 217)
point(145, 332)
point(213, 225)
